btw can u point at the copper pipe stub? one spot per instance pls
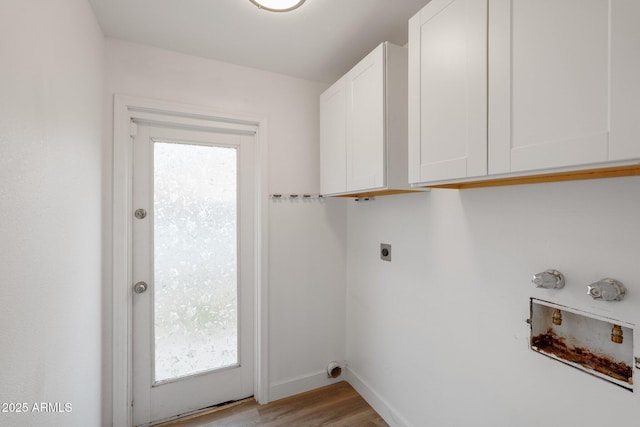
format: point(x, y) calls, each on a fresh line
point(616, 334)
point(556, 318)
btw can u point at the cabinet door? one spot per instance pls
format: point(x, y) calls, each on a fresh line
point(625, 88)
point(333, 134)
point(366, 123)
point(549, 83)
point(448, 91)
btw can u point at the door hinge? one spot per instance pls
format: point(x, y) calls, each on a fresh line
point(133, 129)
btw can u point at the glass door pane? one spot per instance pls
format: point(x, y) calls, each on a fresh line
point(195, 259)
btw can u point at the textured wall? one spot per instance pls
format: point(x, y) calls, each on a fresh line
point(50, 212)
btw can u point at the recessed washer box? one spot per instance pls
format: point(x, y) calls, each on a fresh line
point(600, 346)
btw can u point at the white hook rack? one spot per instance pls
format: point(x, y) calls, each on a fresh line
point(304, 196)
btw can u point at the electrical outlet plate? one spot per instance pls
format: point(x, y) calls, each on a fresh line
point(385, 251)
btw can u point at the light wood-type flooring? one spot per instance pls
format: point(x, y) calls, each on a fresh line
point(334, 405)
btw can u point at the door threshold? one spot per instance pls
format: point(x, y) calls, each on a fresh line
point(204, 411)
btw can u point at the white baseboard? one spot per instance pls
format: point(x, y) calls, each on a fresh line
point(377, 402)
point(301, 384)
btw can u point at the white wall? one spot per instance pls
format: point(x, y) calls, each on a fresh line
point(307, 296)
point(438, 336)
point(303, 235)
point(50, 210)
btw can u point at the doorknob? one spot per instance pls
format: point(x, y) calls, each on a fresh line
point(140, 287)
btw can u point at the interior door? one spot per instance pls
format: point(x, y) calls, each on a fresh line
point(193, 275)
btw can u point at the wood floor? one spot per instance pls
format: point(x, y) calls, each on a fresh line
point(334, 405)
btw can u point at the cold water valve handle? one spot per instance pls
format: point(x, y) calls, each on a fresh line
point(550, 279)
point(607, 290)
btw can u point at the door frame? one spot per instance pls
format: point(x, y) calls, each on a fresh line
point(126, 109)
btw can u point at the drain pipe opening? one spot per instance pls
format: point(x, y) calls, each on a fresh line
point(334, 370)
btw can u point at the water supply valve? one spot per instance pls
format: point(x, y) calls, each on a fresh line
point(607, 290)
point(550, 279)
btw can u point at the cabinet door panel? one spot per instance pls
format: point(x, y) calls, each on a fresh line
point(625, 89)
point(448, 72)
point(557, 154)
point(333, 135)
point(549, 84)
point(366, 123)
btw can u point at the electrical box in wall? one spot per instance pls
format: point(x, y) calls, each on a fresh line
point(385, 251)
point(602, 347)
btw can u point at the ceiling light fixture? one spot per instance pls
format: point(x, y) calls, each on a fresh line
point(278, 5)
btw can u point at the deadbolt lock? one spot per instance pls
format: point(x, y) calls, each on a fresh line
point(140, 213)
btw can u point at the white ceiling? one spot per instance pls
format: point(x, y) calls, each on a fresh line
point(319, 41)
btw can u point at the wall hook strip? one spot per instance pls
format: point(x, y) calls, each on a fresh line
point(304, 196)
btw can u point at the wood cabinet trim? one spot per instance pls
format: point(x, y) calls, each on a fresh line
point(610, 172)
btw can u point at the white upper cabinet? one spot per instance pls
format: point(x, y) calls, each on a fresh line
point(448, 91)
point(365, 123)
point(549, 84)
point(555, 83)
point(624, 130)
point(333, 138)
point(363, 129)
point(561, 87)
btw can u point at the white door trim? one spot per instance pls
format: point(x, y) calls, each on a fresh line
point(127, 108)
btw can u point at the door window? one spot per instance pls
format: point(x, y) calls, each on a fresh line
point(195, 259)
